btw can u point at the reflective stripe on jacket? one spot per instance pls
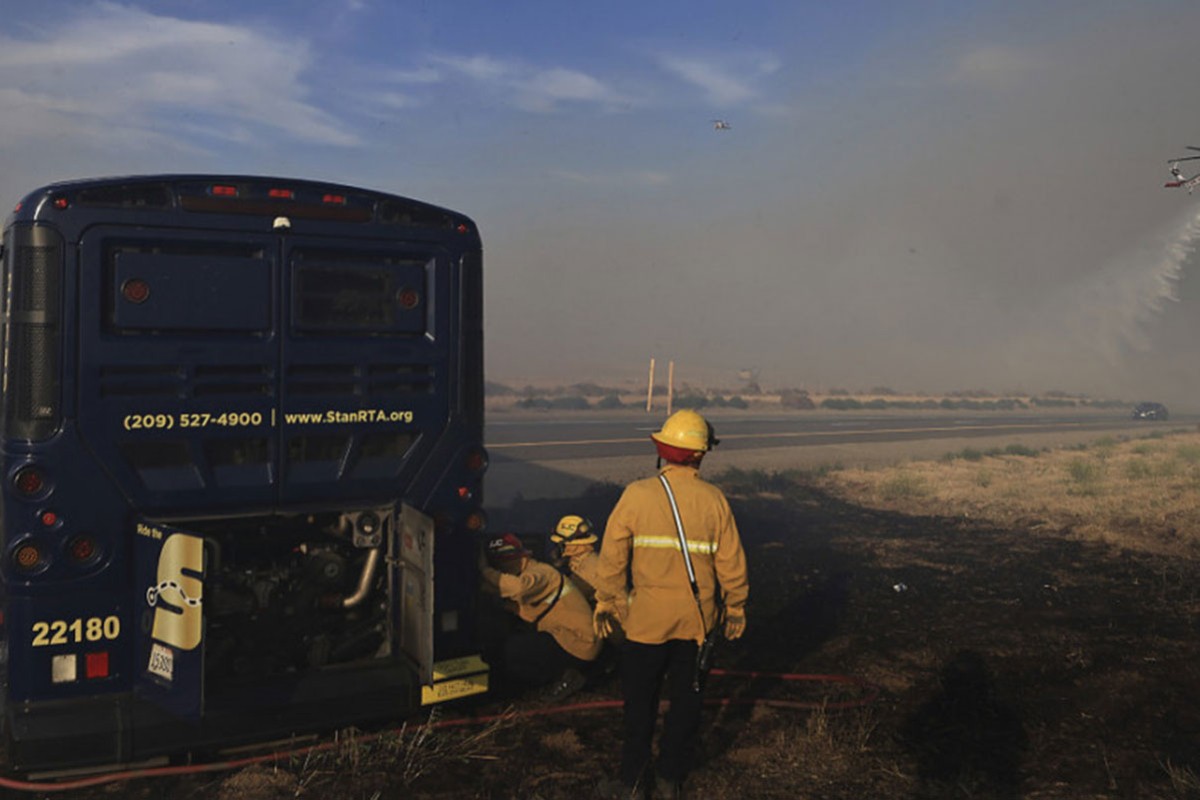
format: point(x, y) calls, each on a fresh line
point(641, 540)
point(569, 621)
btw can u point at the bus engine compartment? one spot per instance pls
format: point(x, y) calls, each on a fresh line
point(285, 594)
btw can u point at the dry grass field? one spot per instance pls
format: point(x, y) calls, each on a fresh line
point(1139, 494)
point(1030, 619)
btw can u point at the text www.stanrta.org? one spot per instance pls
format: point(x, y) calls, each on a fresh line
point(362, 415)
point(254, 419)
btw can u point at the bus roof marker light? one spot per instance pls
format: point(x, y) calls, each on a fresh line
point(222, 190)
point(334, 199)
point(281, 194)
point(60, 202)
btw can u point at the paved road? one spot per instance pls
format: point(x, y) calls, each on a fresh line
point(566, 438)
point(557, 454)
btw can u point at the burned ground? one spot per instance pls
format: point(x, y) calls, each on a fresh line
point(1011, 664)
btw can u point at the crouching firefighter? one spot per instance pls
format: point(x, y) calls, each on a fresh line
point(561, 641)
point(675, 538)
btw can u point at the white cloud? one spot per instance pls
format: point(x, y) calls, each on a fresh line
point(725, 80)
point(533, 88)
point(119, 67)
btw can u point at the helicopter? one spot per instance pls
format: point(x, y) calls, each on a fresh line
point(1179, 180)
point(722, 125)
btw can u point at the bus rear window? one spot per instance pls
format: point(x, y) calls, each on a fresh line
point(377, 299)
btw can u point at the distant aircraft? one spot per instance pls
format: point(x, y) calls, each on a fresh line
point(722, 125)
point(1181, 181)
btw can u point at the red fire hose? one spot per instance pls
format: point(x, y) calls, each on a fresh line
point(869, 693)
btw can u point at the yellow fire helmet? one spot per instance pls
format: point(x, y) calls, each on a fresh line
point(573, 529)
point(686, 430)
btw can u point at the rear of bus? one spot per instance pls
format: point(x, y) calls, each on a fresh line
point(242, 431)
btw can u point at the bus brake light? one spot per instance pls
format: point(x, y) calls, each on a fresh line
point(409, 298)
point(82, 549)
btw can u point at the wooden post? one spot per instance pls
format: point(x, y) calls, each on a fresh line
point(670, 385)
point(650, 388)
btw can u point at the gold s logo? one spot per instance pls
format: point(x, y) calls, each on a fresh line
point(178, 614)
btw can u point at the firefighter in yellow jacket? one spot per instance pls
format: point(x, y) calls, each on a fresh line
point(574, 542)
point(562, 642)
point(664, 622)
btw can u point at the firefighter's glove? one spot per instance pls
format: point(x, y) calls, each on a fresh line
point(735, 625)
point(605, 621)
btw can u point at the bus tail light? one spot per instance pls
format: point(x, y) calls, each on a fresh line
point(476, 460)
point(29, 481)
point(476, 521)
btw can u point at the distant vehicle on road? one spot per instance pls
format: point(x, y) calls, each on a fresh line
point(1150, 411)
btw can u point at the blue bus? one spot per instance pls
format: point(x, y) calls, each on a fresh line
point(241, 432)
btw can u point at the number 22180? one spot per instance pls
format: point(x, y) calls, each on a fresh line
point(92, 629)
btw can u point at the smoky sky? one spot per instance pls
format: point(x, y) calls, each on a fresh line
point(952, 215)
point(928, 196)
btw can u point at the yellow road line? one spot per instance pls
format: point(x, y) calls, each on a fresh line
point(788, 435)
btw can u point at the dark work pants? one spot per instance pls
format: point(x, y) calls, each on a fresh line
point(534, 658)
point(642, 670)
